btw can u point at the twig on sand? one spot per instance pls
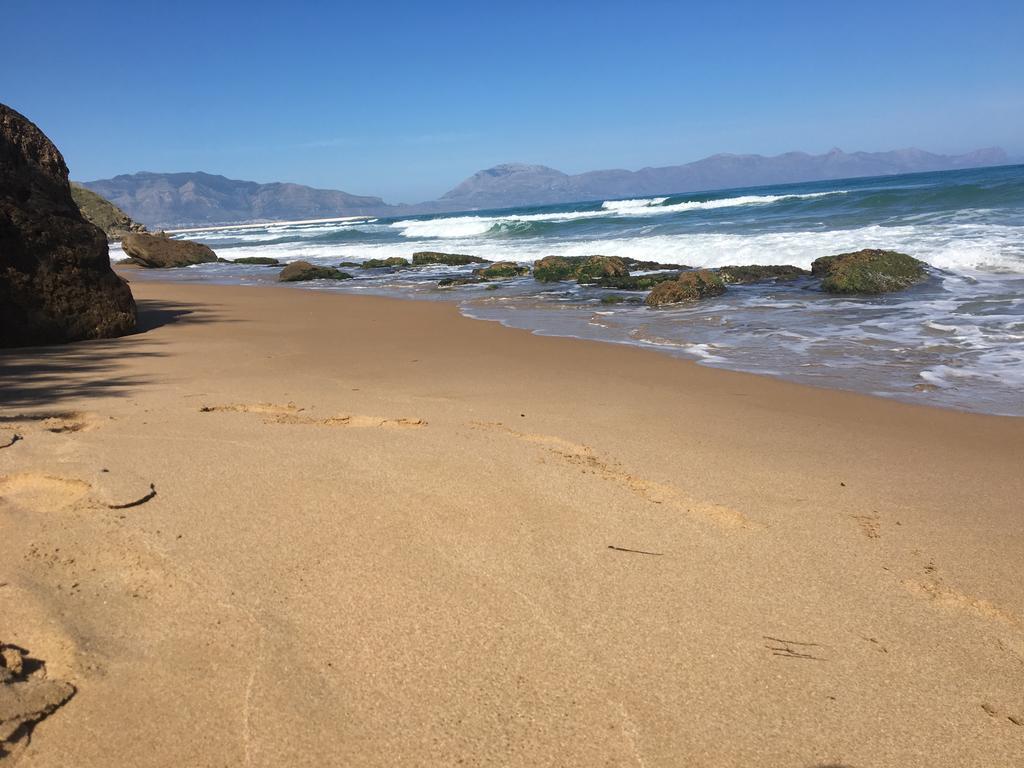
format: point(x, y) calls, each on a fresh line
point(784, 648)
point(137, 502)
point(634, 551)
point(14, 439)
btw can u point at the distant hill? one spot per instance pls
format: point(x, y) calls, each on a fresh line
point(513, 184)
point(103, 213)
point(179, 199)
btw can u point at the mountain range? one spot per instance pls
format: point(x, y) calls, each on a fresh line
point(180, 199)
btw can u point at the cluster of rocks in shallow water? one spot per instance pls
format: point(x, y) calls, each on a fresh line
point(868, 271)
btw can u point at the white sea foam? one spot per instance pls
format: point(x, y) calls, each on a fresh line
point(470, 226)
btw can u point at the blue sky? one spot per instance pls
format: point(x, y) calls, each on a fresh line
point(404, 100)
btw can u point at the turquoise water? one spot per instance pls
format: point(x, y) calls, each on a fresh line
point(957, 340)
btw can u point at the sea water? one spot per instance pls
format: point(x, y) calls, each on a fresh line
point(956, 340)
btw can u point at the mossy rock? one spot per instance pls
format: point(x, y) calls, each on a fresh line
point(613, 298)
point(552, 269)
point(690, 286)
point(423, 258)
point(868, 271)
point(300, 271)
point(597, 267)
point(349, 264)
point(647, 266)
point(261, 261)
point(454, 282)
point(392, 262)
point(585, 269)
point(636, 282)
point(501, 270)
point(759, 273)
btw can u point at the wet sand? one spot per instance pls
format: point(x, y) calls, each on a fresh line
point(384, 535)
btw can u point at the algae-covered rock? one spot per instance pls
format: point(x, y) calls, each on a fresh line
point(637, 282)
point(422, 258)
point(552, 269)
point(644, 266)
point(690, 286)
point(585, 269)
point(501, 270)
point(758, 273)
point(597, 267)
point(868, 271)
point(392, 262)
point(454, 282)
point(103, 213)
point(260, 261)
point(161, 252)
point(299, 271)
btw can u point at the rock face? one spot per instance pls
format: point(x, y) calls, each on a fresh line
point(422, 258)
point(299, 271)
point(56, 284)
point(868, 271)
point(501, 270)
point(690, 286)
point(159, 252)
point(758, 273)
point(103, 213)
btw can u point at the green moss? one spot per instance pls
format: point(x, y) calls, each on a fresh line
point(300, 271)
point(645, 266)
point(394, 261)
point(637, 282)
point(502, 269)
point(453, 282)
point(756, 273)
point(552, 269)
point(690, 286)
point(597, 267)
point(613, 298)
point(869, 271)
point(422, 258)
point(585, 269)
point(263, 261)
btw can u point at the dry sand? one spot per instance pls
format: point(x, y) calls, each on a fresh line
point(383, 535)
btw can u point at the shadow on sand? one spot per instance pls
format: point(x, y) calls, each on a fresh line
point(44, 376)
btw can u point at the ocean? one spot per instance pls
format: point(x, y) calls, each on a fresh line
point(956, 340)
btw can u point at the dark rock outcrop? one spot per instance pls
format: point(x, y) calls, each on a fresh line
point(868, 271)
point(260, 261)
point(161, 252)
point(423, 258)
point(299, 271)
point(501, 270)
point(56, 284)
point(690, 286)
point(103, 213)
point(759, 273)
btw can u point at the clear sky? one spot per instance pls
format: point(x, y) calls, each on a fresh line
point(404, 100)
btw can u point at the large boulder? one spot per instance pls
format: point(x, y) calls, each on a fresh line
point(161, 252)
point(103, 213)
point(300, 271)
point(868, 271)
point(690, 286)
point(423, 258)
point(56, 284)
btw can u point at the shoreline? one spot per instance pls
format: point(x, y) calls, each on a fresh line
point(387, 534)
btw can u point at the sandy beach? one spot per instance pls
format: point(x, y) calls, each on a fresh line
point(387, 535)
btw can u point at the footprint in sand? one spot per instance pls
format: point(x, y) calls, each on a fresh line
point(870, 525)
point(584, 458)
point(26, 697)
point(290, 413)
point(36, 491)
point(58, 423)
